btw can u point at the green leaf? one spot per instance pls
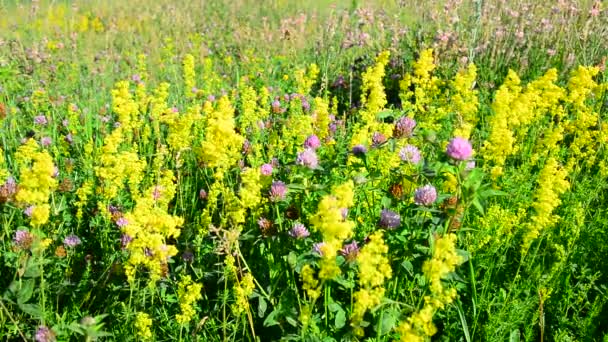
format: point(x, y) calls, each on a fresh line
point(31, 309)
point(26, 291)
point(477, 205)
point(271, 319)
point(515, 336)
point(340, 319)
point(291, 321)
point(262, 306)
point(385, 114)
point(32, 270)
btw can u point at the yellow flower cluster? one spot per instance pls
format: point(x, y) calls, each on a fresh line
point(242, 290)
point(333, 227)
point(188, 292)
point(374, 270)
point(251, 188)
point(180, 128)
point(588, 129)
point(248, 119)
point(444, 261)
point(298, 127)
point(124, 106)
point(149, 226)
point(306, 79)
point(309, 283)
point(36, 181)
point(426, 89)
point(465, 101)
point(3, 171)
point(551, 184)
point(221, 148)
point(189, 76)
point(498, 225)
point(373, 100)
point(515, 108)
point(143, 322)
point(321, 118)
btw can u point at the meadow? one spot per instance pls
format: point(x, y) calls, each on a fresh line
point(303, 171)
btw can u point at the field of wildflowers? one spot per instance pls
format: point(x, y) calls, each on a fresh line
point(303, 171)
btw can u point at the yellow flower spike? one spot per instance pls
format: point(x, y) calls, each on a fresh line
point(188, 293)
point(189, 76)
point(143, 322)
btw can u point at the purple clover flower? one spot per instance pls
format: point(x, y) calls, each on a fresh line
point(378, 139)
point(22, 238)
point(41, 120)
point(125, 239)
point(308, 158)
point(318, 248)
point(459, 149)
point(410, 154)
point(278, 191)
point(28, 211)
point(426, 195)
point(404, 127)
point(46, 141)
point(202, 194)
point(276, 106)
point(72, 240)
point(266, 169)
point(359, 150)
point(350, 251)
point(121, 222)
point(299, 231)
point(312, 142)
point(44, 334)
point(389, 219)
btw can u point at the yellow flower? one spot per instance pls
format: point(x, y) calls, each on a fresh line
point(188, 293)
point(142, 325)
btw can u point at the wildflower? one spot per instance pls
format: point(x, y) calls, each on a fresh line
point(470, 165)
point(264, 224)
point(23, 239)
point(278, 191)
point(188, 256)
point(266, 169)
point(40, 120)
point(308, 158)
point(312, 142)
point(69, 138)
point(359, 150)
point(389, 219)
point(299, 231)
point(404, 127)
point(425, 195)
point(8, 189)
point(202, 194)
point(44, 334)
point(276, 106)
point(188, 293)
point(46, 141)
point(29, 210)
point(142, 325)
point(125, 239)
point(121, 222)
point(350, 251)
point(459, 149)
point(410, 154)
point(344, 212)
point(318, 248)
point(242, 290)
point(378, 139)
point(72, 241)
